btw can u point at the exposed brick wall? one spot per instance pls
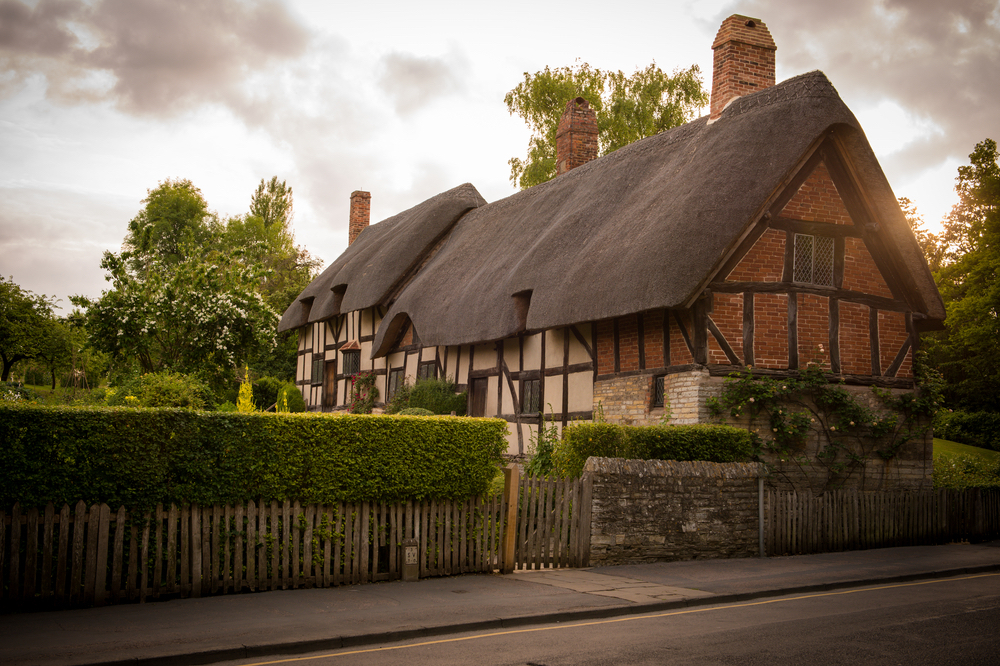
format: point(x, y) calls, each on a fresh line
point(679, 352)
point(743, 60)
point(604, 346)
point(727, 313)
point(628, 344)
point(576, 136)
point(360, 214)
point(652, 325)
point(813, 328)
point(770, 338)
point(891, 336)
point(624, 400)
point(765, 260)
point(817, 200)
point(656, 510)
point(860, 272)
point(855, 339)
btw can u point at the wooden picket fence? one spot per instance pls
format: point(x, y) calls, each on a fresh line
point(553, 523)
point(94, 556)
point(799, 522)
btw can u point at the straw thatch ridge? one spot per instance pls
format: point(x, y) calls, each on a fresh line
point(380, 258)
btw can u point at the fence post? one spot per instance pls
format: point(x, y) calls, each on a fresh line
point(510, 496)
point(760, 516)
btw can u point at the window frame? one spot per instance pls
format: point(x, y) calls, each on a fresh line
point(658, 396)
point(397, 374)
point(422, 370)
point(531, 390)
point(798, 258)
point(350, 354)
point(316, 374)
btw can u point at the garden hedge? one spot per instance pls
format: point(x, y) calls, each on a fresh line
point(713, 443)
point(138, 457)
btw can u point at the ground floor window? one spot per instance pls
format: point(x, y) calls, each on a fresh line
point(396, 378)
point(427, 370)
point(317, 371)
point(531, 398)
point(658, 391)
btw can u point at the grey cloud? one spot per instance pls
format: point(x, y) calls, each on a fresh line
point(938, 60)
point(166, 56)
point(413, 82)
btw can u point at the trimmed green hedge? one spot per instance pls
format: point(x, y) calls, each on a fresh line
point(138, 457)
point(980, 429)
point(713, 443)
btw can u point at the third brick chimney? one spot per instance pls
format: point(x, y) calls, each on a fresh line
point(361, 204)
point(576, 138)
point(744, 61)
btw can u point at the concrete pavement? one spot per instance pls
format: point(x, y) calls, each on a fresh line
point(198, 631)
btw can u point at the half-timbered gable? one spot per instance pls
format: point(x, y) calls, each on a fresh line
point(762, 235)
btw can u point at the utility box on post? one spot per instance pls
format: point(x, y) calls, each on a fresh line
point(410, 557)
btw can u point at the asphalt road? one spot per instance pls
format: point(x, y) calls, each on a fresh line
point(940, 621)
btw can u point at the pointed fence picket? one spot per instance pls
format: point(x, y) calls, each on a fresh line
point(91, 556)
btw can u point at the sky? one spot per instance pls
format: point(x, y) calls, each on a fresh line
point(101, 100)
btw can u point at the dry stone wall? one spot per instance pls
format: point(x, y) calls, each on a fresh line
point(659, 510)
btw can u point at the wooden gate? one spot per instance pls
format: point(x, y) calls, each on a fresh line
point(553, 523)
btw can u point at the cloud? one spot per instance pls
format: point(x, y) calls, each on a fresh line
point(413, 82)
point(938, 60)
point(152, 57)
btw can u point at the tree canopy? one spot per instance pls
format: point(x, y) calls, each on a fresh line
point(25, 322)
point(628, 108)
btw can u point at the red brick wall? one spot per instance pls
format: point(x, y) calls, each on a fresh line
point(765, 260)
point(679, 352)
point(860, 272)
point(743, 61)
point(727, 313)
point(604, 341)
point(817, 200)
point(891, 336)
point(652, 333)
point(628, 344)
point(576, 136)
point(770, 339)
point(360, 214)
point(855, 339)
point(813, 317)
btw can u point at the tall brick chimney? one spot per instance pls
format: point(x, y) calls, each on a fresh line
point(361, 211)
point(576, 138)
point(744, 61)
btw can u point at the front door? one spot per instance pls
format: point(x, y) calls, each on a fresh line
point(478, 399)
point(330, 386)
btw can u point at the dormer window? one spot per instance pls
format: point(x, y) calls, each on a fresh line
point(813, 260)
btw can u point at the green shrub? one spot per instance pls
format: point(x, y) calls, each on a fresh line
point(964, 471)
point(161, 389)
point(265, 392)
point(980, 429)
point(12, 391)
point(438, 395)
point(138, 457)
point(712, 443)
point(400, 399)
point(415, 411)
point(291, 393)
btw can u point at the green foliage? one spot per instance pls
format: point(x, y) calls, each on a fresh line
point(400, 399)
point(438, 396)
point(138, 457)
point(628, 108)
point(25, 321)
point(173, 222)
point(851, 433)
point(364, 393)
point(542, 447)
point(713, 443)
point(244, 400)
point(415, 411)
point(963, 471)
point(161, 389)
point(980, 429)
point(13, 392)
point(265, 392)
point(290, 396)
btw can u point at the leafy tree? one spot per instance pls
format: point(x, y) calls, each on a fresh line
point(25, 319)
point(628, 108)
point(175, 218)
point(933, 245)
point(968, 354)
point(55, 347)
point(272, 203)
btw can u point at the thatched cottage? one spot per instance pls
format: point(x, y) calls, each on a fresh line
point(763, 234)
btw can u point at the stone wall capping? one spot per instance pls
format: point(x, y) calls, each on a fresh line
point(674, 468)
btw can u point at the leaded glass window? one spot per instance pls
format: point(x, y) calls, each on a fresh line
point(531, 396)
point(813, 260)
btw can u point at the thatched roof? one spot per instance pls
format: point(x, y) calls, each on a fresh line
point(642, 228)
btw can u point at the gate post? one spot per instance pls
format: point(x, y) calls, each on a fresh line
point(511, 497)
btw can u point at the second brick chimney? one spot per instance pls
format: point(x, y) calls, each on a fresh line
point(744, 61)
point(576, 138)
point(361, 205)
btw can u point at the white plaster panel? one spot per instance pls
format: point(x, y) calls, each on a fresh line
point(577, 352)
point(554, 347)
point(486, 357)
point(553, 395)
point(511, 354)
point(581, 391)
point(532, 352)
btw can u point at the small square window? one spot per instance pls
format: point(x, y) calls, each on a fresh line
point(427, 370)
point(317, 371)
point(658, 391)
point(813, 260)
point(531, 397)
point(351, 363)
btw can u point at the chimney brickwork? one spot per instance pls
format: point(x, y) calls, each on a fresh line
point(576, 137)
point(360, 214)
point(743, 63)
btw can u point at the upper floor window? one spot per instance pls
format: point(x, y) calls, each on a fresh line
point(350, 362)
point(813, 260)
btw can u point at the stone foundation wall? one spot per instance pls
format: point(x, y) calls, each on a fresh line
point(628, 400)
point(655, 510)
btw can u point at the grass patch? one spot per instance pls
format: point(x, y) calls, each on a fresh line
point(947, 448)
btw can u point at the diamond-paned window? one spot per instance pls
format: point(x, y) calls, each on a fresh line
point(658, 391)
point(351, 363)
point(813, 260)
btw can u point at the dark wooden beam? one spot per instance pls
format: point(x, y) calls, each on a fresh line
point(721, 339)
point(748, 328)
point(684, 333)
point(583, 341)
point(834, 336)
point(873, 341)
point(700, 333)
point(789, 264)
point(793, 331)
point(665, 325)
point(565, 379)
point(900, 357)
point(839, 250)
point(879, 302)
point(640, 334)
point(853, 380)
point(618, 365)
point(817, 228)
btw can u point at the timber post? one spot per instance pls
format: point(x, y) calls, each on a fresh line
point(510, 498)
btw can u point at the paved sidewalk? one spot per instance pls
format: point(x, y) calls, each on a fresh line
point(194, 631)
